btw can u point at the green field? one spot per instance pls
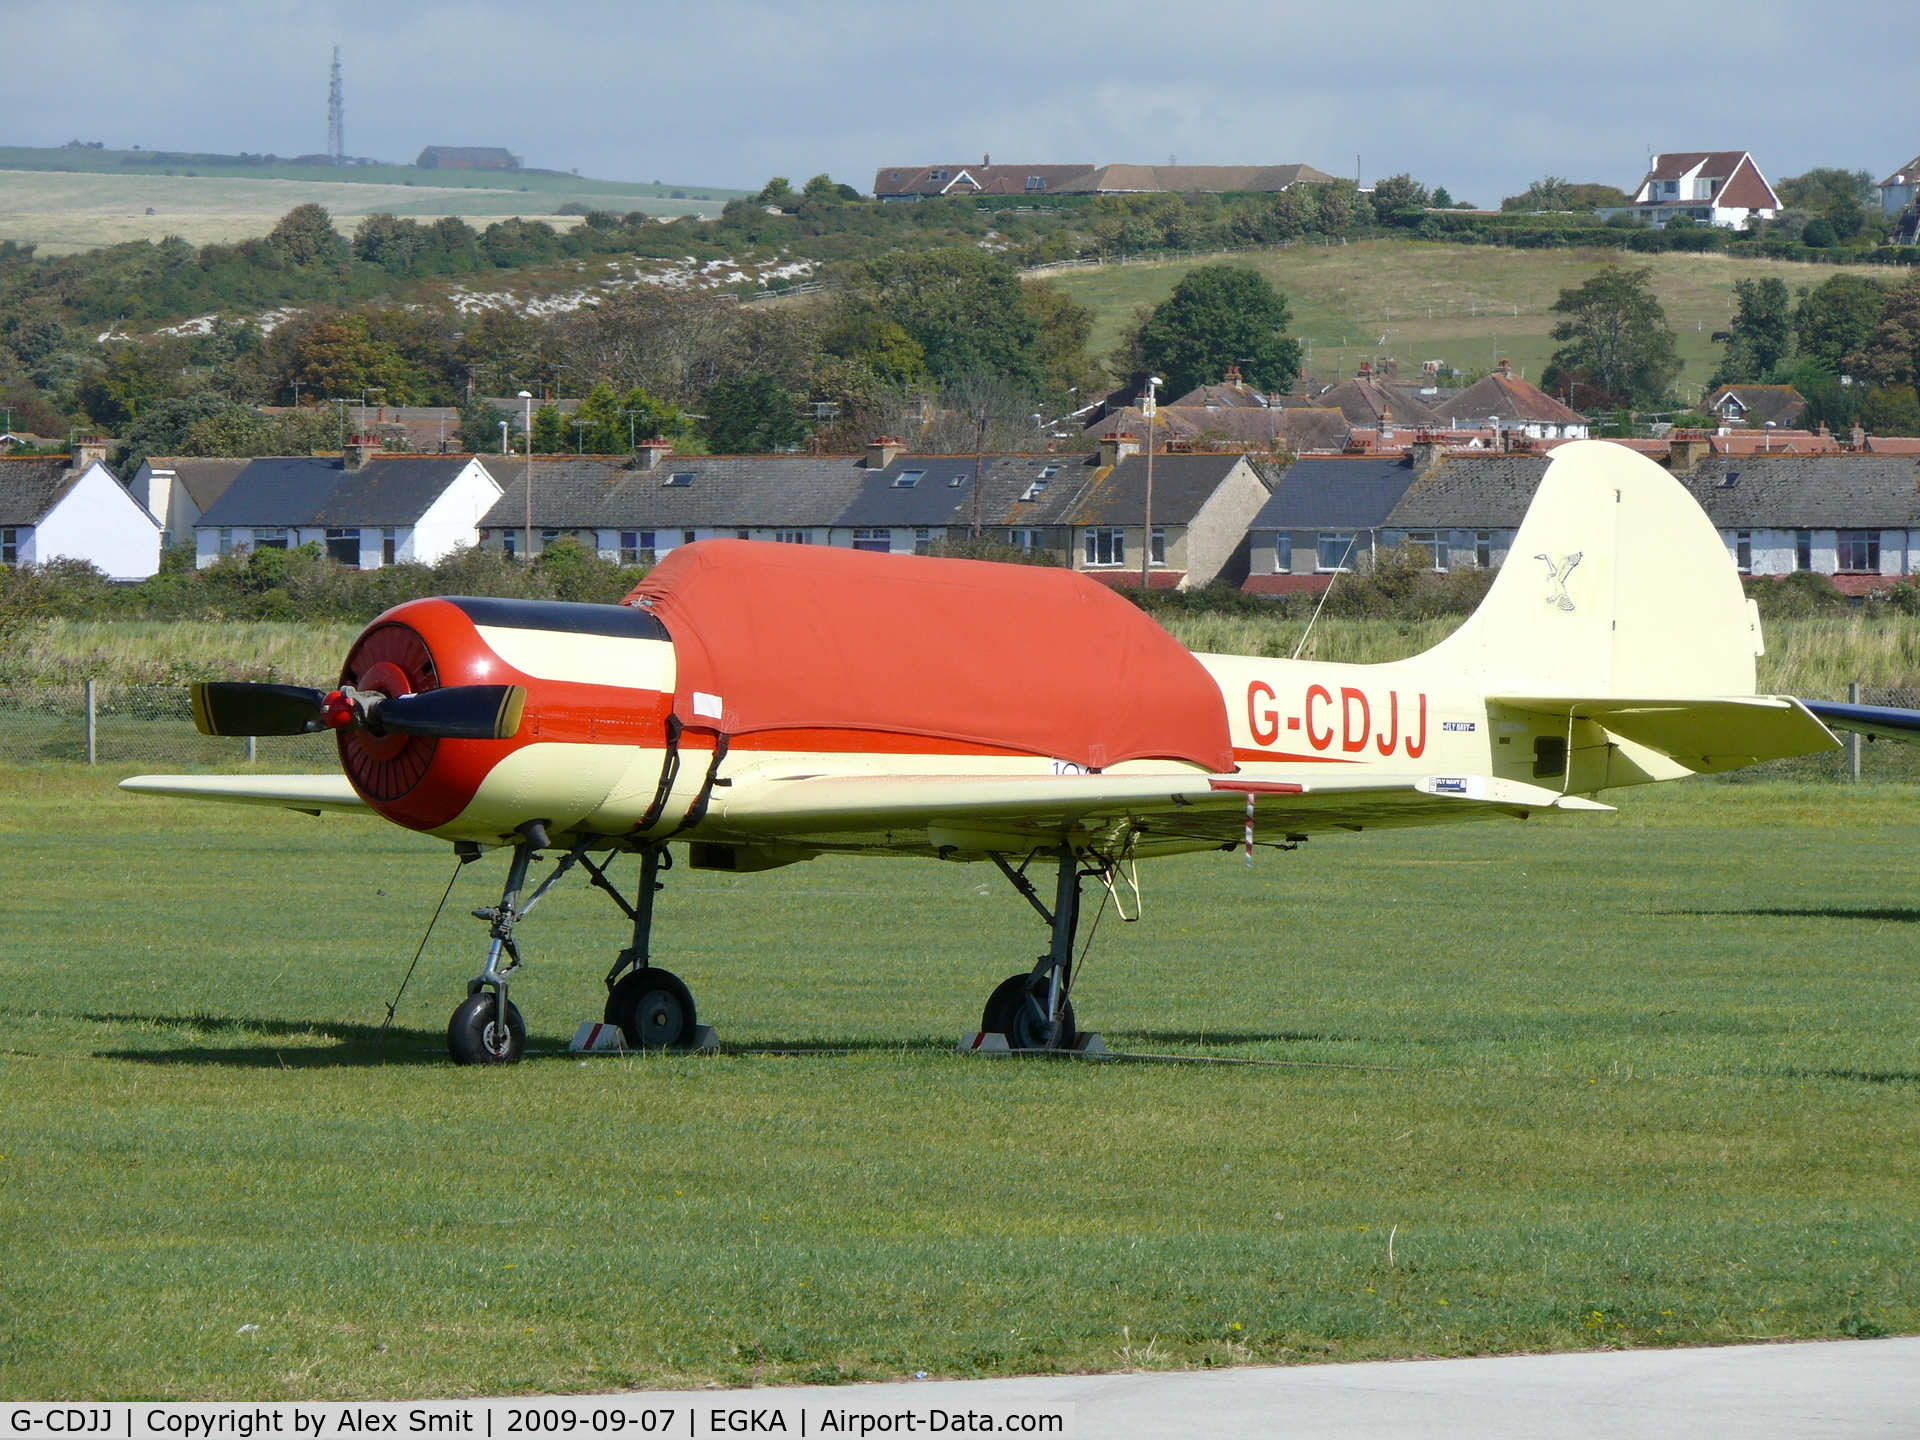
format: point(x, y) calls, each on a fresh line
point(1464, 305)
point(1648, 1079)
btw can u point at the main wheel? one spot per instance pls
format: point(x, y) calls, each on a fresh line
point(473, 1034)
point(653, 1010)
point(1017, 1009)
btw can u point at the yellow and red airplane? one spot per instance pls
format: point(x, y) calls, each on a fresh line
point(764, 704)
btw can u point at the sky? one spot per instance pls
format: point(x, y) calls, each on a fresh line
point(1479, 97)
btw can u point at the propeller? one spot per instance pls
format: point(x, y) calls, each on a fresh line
point(456, 712)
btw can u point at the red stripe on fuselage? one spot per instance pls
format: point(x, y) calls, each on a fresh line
point(1279, 757)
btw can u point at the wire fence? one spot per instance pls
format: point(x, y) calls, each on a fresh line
point(107, 724)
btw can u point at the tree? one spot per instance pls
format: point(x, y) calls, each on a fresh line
point(776, 191)
point(1295, 211)
point(1220, 315)
point(823, 187)
point(611, 424)
point(1762, 332)
point(965, 309)
point(480, 425)
point(550, 433)
point(752, 415)
point(1556, 192)
point(1823, 185)
point(1837, 317)
point(1819, 233)
point(1891, 355)
point(1341, 207)
point(1891, 410)
point(339, 357)
point(1397, 193)
point(1061, 345)
point(1615, 342)
point(1441, 199)
point(305, 238)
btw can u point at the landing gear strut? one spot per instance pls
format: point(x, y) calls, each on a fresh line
point(1035, 1010)
point(653, 1009)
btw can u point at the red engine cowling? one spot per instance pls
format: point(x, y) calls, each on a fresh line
point(576, 662)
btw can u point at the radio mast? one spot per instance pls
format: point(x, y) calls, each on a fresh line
point(336, 115)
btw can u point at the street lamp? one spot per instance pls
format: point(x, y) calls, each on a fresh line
point(503, 437)
point(1148, 407)
point(527, 396)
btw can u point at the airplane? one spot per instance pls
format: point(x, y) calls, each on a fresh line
point(758, 705)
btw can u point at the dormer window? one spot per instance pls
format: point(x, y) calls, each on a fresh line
point(1036, 182)
point(954, 482)
point(678, 481)
point(938, 175)
point(1032, 492)
point(907, 479)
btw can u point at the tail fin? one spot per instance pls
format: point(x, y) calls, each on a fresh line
point(1617, 584)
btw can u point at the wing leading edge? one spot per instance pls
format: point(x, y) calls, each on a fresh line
point(311, 793)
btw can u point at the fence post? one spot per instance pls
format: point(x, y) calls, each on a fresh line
point(253, 752)
point(1853, 740)
point(93, 732)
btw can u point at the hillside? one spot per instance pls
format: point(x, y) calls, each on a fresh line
point(65, 201)
point(1463, 305)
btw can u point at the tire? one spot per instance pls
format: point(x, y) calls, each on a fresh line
point(653, 1010)
point(470, 1033)
point(1017, 1009)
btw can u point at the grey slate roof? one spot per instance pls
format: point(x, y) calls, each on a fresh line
point(289, 490)
point(204, 479)
point(1335, 494)
point(936, 499)
point(608, 492)
point(1182, 484)
point(1471, 492)
point(1808, 492)
point(29, 488)
point(1364, 401)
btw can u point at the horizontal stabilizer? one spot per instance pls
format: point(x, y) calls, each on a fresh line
point(1703, 735)
point(311, 793)
point(1885, 721)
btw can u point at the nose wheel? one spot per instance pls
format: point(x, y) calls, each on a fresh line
point(476, 1035)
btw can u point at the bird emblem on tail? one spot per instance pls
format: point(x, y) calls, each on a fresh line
point(1557, 577)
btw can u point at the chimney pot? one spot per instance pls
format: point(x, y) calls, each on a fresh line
point(649, 453)
point(360, 449)
point(1505, 369)
point(883, 450)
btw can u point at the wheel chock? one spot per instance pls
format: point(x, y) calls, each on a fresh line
point(596, 1035)
point(703, 1040)
point(984, 1042)
point(1090, 1043)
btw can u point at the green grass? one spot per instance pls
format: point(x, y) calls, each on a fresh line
point(1655, 1080)
point(1465, 305)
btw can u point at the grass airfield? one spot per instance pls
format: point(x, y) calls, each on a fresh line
point(1651, 1079)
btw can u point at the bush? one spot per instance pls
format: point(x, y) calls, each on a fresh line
point(1804, 592)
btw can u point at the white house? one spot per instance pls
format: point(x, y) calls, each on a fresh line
point(56, 508)
point(177, 490)
point(367, 508)
point(1898, 190)
point(1712, 187)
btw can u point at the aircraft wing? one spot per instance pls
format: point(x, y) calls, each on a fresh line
point(311, 793)
point(1704, 735)
point(935, 814)
point(1884, 721)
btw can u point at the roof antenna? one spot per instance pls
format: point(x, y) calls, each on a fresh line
point(1339, 570)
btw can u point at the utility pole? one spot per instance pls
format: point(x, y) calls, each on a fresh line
point(978, 526)
point(1148, 407)
point(527, 396)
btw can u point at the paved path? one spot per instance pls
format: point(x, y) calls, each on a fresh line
point(1838, 1390)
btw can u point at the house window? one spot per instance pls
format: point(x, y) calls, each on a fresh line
point(629, 547)
point(1860, 551)
point(938, 175)
point(1106, 545)
point(1483, 549)
point(226, 539)
point(678, 481)
point(1283, 553)
point(687, 537)
point(9, 547)
point(793, 537)
point(1159, 537)
point(389, 544)
point(1024, 539)
point(510, 541)
point(908, 479)
point(264, 539)
point(343, 546)
point(922, 540)
point(954, 482)
point(743, 534)
point(1036, 182)
point(879, 541)
point(1433, 544)
point(1032, 492)
point(1803, 549)
point(1743, 551)
point(1337, 551)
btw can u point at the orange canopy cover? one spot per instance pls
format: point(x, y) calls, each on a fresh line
point(1023, 658)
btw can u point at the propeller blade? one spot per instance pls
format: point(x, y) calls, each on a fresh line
point(236, 707)
point(457, 712)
